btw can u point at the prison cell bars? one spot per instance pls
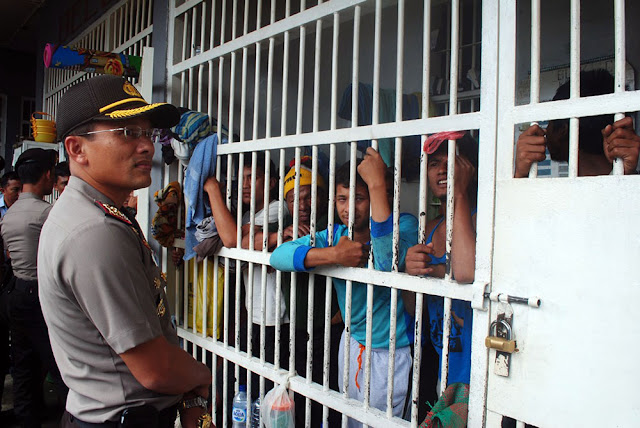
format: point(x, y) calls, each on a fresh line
point(619, 74)
point(232, 74)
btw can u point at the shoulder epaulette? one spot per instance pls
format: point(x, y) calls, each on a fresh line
point(112, 211)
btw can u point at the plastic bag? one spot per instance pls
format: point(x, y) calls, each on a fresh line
point(278, 409)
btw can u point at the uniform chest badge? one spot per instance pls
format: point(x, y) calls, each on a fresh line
point(161, 309)
point(157, 282)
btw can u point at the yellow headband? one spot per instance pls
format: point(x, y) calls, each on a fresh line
point(305, 179)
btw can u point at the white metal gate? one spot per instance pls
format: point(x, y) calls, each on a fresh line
point(575, 242)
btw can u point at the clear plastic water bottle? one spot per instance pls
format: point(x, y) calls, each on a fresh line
point(255, 414)
point(240, 408)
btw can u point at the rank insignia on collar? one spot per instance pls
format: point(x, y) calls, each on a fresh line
point(157, 282)
point(112, 211)
point(161, 309)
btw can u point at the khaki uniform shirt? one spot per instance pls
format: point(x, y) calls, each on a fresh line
point(21, 227)
point(102, 294)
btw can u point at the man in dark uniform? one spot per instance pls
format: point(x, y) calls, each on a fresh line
point(102, 292)
point(21, 226)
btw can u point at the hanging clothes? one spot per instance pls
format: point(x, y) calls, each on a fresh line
point(201, 166)
point(386, 146)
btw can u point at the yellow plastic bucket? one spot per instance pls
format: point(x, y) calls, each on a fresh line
point(44, 137)
point(44, 130)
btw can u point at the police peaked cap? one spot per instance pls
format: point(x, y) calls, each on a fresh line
point(37, 155)
point(109, 98)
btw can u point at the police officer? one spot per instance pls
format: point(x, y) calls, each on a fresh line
point(21, 227)
point(102, 292)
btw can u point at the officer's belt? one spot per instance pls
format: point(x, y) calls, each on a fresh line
point(26, 285)
point(166, 417)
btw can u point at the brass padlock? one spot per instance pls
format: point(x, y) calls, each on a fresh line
point(500, 343)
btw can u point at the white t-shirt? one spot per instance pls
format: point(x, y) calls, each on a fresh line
point(270, 288)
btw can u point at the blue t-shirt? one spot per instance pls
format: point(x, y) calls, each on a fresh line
point(290, 257)
point(459, 339)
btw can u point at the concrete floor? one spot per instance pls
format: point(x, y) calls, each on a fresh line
point(53, 413)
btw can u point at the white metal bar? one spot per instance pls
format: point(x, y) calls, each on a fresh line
point(191, 91)
point(256, 91)
point(375, 116)
point(129, 21)
point(279, 273)
point(294, 277)
point(223, 21)
point(581, 107)
point(285, 78)
point(265, 249)
point(212, 33)
point(575, 86)
point(349, 283)
point(396, 206)
point(234, 20)
point(251, 272)
point(330, 210)
point(355, 66)
point(121, 27)
point(535, 66)
point(301, 60)
point(384, 130)
point(243, 96)
point(620, 65)
point(205, 289)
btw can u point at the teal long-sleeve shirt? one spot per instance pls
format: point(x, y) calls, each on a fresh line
point(290, 257)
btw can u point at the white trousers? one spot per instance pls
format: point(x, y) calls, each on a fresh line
point(379, 374)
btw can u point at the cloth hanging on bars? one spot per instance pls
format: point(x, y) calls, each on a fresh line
point(386, 146)
point(201, 166)
point(164, 225)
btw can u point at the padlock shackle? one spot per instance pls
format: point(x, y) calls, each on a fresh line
point(505, 324)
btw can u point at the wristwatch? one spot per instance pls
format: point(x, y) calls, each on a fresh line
point(197, 401)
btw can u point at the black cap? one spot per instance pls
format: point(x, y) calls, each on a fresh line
point(37, 156)
point(105, 98)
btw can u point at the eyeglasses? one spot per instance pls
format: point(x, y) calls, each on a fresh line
point(131, 132)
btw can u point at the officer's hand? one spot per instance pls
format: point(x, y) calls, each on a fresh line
point(418, 259)
point(350, 253)
point(530, 148)
point(621, 141)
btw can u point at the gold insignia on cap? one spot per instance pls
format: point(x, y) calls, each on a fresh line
point(131, 90)
point(123, 114)
point(157, 282)
point(161, 309)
